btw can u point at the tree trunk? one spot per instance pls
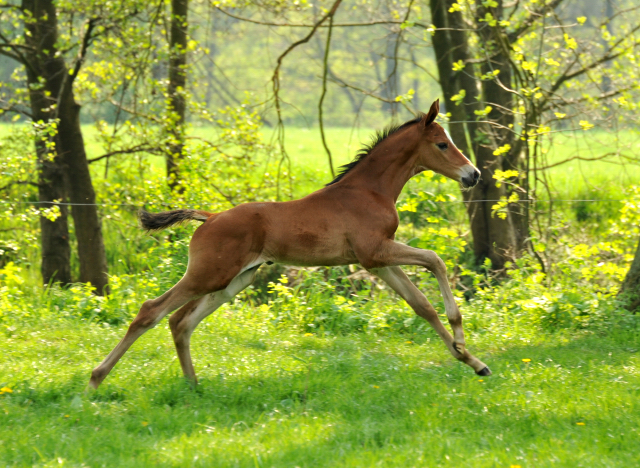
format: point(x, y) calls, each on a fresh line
point(54, 236)
point(493, 236)
point(91, 251)
point(630, 289)
point(497, 94)
point(67, 173)
point(176, 89)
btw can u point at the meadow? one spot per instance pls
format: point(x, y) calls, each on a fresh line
point(316, 369)
point(282, 399)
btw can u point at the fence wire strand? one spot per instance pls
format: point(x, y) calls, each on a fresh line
point(51, 203)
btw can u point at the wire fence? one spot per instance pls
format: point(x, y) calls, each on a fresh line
point(578, 200)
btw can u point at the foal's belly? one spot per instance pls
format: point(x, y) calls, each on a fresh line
point(316, 261)
point(310, 250)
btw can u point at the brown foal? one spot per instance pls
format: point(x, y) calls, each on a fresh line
point(351, 220)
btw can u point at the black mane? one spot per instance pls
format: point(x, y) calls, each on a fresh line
point(377, 138)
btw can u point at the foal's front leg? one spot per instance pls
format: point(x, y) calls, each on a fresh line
point(394, 254)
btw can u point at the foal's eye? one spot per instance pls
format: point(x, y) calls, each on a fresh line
point(442, 146)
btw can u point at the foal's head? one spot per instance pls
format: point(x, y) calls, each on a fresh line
point(439, 154)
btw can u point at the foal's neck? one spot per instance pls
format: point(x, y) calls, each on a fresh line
point(388, 167)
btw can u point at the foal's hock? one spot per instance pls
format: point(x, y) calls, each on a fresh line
point(351, 220)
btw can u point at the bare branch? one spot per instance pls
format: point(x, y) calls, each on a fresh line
point(16, 54)
point(608, 56)
point(134, 112)
point(82, 53)
point(528, 22)
point(325, 69)
point(134, 149)
point(9, 54)
point(335, 25)
point(18, 182)
point(13, 108)
point(582, 158)
point(276, 81)
point(294, 25)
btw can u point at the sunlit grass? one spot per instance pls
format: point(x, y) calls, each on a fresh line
point(276, 398)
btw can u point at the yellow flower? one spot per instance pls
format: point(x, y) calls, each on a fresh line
point(66, 415)
point(515, 466)
point(586, 125)
point(145, 423)
point(480, 380)
point(308, 334)
point(580, 424)
point(409, 342)
point(526, 360)
point(375, 386)
point(5, 390)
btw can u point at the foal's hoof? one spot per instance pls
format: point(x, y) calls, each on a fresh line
point(484, 372)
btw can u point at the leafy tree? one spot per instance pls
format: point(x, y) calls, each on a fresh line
point(52, 61)
point(177, 88)
point(505, 89)
point(58, 67)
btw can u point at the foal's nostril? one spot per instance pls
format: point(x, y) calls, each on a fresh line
point(470, 180)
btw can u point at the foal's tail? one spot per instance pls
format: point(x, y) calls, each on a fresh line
point(158, 221)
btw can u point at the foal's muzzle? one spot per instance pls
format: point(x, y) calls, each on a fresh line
point(471, 179)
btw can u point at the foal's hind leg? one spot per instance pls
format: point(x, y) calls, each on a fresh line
point(399, 282)
point(185, 320)
point(151, 312)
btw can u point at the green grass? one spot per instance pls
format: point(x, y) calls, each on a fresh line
point(359, 400)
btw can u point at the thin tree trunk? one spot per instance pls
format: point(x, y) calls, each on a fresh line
point(630, 289)
point(497, 94)
point(54, 235)
point(492, 236)
point(176, 90)
point(67, 174)
point(91, 251)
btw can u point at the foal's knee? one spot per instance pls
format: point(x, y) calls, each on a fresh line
point(435, 264)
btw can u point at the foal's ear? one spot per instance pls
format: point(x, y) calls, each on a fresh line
point(433, 113)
